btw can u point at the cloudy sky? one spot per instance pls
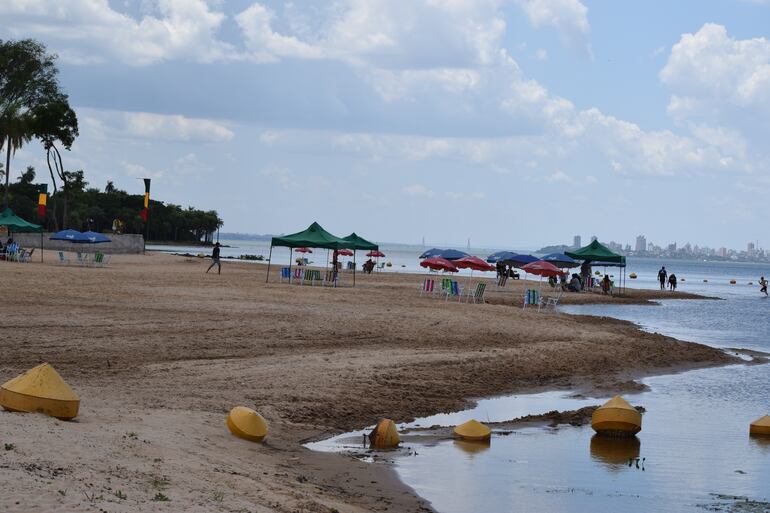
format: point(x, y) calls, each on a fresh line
point(514, 123)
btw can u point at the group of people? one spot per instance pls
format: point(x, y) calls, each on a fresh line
point(662, 275)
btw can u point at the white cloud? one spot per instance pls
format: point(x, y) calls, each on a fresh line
point(418, 190)
point(569, 17)
point(711, 65)
point(90, 31)
point(150, 126)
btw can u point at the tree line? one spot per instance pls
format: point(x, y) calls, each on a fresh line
point(33, 107)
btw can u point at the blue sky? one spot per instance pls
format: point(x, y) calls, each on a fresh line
point(515, 123)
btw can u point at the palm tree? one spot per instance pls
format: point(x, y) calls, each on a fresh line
point(15, 132)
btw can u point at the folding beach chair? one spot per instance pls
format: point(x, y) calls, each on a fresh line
point(427, 286)
point(62, 259)
point(476, 295)
point(331, 278)
point(454, 290)
point(26, 256)
point(502, 280)
point(531, 298)
point(299, 276)
point(551, 301)
point(285, 274)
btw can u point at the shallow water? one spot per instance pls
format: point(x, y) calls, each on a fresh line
point(694, 444)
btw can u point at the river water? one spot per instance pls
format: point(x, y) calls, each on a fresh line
point(694, 452)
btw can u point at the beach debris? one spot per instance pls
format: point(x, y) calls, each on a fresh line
point(384, 435)
point(705, 281)
point(616, 418)
point(245, 423)
point(761, 426)
point(473, 430)
point(733, 282)
point(40, 390)
point(632, 276)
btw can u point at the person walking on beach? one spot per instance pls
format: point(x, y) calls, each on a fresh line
point(215, 259)
point(662, 274)
point(763, 285)
point(672, 282)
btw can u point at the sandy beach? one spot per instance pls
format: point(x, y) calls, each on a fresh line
point(160, 351)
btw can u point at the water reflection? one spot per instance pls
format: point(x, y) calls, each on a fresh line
point(615, 453)
point(472, 447)
point(761, 442)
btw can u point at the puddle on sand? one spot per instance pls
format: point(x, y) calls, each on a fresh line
point(694, 445)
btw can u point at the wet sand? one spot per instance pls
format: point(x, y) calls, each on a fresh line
point(159, 352)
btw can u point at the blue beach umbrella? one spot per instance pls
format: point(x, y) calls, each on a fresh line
point(500, 256)
point(453, 254)
point(560, 260)
point(519, 260)
point(69, 236)
point(95, 237)
point(431, 253)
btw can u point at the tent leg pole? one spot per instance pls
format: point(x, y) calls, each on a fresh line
point(269, 261)
point(354, 267)
point(41, 247)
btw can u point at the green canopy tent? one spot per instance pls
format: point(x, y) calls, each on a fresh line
point(355, 243)
point(313, 237)
point(16, 224)
point(598, 252)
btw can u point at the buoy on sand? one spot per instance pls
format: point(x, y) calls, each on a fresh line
point(245, 423)
point(616, 418)
point(42, 390)
point(760, 426)
point(473, 430)
point(384, 435)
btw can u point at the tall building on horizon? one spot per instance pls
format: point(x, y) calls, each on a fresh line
point(576, 242)
point(750, 248)
point(641, 244)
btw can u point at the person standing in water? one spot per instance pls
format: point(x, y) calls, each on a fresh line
point(215, 259)
point(763, 285)
point(672, 282)
point(662, 274)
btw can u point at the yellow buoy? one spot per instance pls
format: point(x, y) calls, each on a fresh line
point(632, 276)
point(760, 426)
point(40, 389)
point(247, 424)
point(472, 430)
point(384, 435)
point(616, 417)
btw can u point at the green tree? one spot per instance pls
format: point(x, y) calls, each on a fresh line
point(15, 131)
point(28, 77)
point(54, 122)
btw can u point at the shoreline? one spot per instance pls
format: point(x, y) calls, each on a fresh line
point(160, 350)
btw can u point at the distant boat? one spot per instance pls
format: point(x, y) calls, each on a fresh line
point(617, 417)
point(632, 276)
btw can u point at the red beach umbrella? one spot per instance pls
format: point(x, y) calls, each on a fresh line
point(439, 264)
point(473, 263)
point(375, 253)
point(345, 252)
point(542, 268)
point(303, 250)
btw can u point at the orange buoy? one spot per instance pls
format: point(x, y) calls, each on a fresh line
point(40, 389)
point(761, 426)
point(473, 430)
point(616, 417)
point(245, 423)
point(384, 435)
